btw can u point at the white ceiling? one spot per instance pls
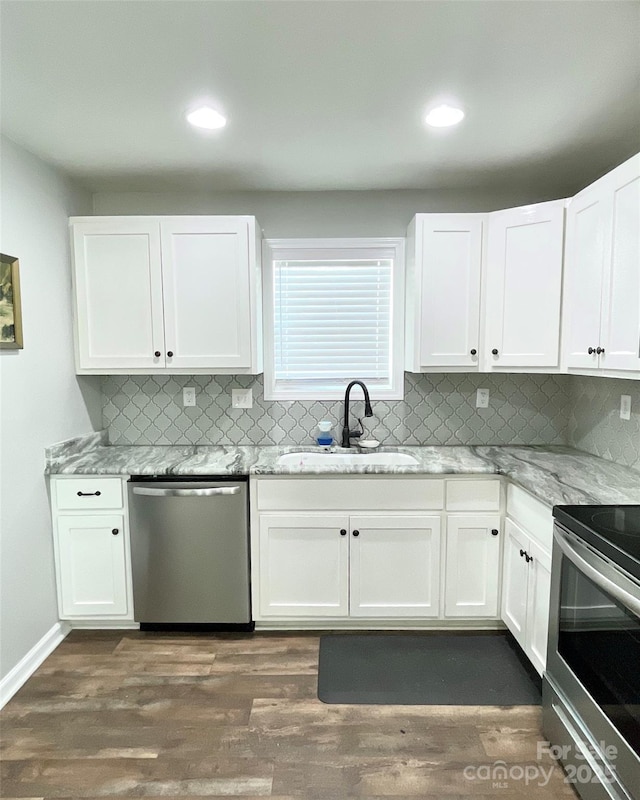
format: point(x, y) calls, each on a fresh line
point(323, 95)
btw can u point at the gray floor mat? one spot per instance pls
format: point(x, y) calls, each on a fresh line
point(425, 669)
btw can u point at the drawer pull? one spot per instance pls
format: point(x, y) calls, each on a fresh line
point(494, 531)
point(89, 494)
point(115, 531)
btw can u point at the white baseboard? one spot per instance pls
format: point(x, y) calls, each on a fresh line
point(362, 624)
point(27, 665)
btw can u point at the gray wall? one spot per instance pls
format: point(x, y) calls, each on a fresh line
point(42, 402)
point(309, 214)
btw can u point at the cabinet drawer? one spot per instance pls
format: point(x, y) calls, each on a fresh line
point(87, 494)
point(473, 495)
point(348, 493)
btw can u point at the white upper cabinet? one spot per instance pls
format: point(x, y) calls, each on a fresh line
point(584, 260)
point(118, 288)
point(443, 291)
point(206, 282)
point(523, 286)
point(169, 294)
point(517, 325)
point(602, 280)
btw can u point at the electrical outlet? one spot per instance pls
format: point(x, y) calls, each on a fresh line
point(189, 396)
point(625, 406)
point(482, 398)
point(241, 398)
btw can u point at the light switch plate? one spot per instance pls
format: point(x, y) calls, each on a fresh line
point(241, 398)
point(625, 406)
point(482, 398)
point(189, 396)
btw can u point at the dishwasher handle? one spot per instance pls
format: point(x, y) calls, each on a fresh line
point(213, 491)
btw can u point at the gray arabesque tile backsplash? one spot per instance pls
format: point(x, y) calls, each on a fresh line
point(594, 419)
point(437, 409)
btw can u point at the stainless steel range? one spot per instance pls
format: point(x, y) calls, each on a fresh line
point(591, 690)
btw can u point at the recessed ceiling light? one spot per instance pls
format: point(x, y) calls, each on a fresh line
point(206, 117)
point(444, 116)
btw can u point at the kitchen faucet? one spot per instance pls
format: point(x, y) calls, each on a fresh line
point(368, 412)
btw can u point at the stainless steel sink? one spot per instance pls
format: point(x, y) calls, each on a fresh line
point(347, 459)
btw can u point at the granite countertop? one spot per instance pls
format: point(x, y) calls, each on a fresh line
point(553, 474)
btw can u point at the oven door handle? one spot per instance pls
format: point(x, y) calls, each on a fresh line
point(622, 589)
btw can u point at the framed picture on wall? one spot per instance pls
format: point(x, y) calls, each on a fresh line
point(10, 311)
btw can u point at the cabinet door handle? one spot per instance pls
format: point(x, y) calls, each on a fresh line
point(115, 531)
point(495, 351)
point(494, 531)
point(157, 354)
point(521, 553)
point(170, 353)
point(474, 352)
point(600, 350)
point(343, 532)
point(89, 494)
point(528, 557)
point(591, 351)
point(356, 533)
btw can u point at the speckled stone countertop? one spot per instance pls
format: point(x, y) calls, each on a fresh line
point(553, 474)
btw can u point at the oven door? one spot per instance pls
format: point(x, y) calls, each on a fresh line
point(593, 661)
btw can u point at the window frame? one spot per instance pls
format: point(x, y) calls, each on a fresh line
point(347, 248)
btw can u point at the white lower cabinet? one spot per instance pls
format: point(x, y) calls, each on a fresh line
point(339, 565)
point(515, 581)
point(303, 565)
point(385, 563)
point(525, 592)
point(394, 566)
point(91, 555)
point(472, 578)
point(91, 545)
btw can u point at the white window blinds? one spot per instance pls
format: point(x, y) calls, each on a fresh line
point(332, 320)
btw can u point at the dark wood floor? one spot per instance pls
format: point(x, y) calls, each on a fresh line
point(147, 715)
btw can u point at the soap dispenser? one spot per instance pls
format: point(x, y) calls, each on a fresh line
point(324, 436)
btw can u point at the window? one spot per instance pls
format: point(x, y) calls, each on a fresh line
point(333, 313)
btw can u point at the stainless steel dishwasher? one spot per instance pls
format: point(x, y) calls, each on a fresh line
point(190, 553)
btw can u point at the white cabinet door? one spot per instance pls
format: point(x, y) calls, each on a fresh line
point(472, 566)
point(395, 566)
point(92, 565)
point(586, 244)
point(538, 606)
point(118, 294)
point(524, 281)
point(206, 279)
point(449, 259)
point(620, 330)
point(514, 581)
point(304, 565)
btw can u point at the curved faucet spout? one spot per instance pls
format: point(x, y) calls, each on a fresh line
point(347, 434)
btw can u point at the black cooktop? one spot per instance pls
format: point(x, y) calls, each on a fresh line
point(612, 530)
